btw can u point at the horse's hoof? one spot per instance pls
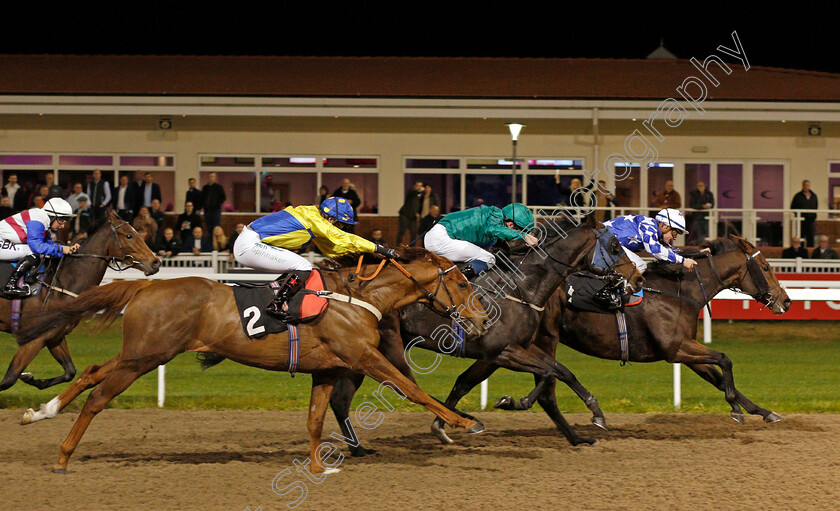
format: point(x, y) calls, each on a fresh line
point(28, 417)
point(331, 471)
point(773, 417)
point(478, 427)
point(59, 470)
point(600, 422)
point(585, 442)
point(441, 435)
point(504, 403)
point(361, 451)
point(26, 377)
point(737, 417)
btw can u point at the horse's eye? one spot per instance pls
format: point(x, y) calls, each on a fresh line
point(129, 236)
point(462, 285)
point(767, 268)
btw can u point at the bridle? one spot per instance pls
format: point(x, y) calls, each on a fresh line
point(445, 310)
point(127, 260)
point(763, 293)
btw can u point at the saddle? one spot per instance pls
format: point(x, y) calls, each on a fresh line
point(586, 291)
point(305, 306)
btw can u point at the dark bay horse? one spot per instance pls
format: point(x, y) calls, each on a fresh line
point(111, 241)
point(506, 344)
point(664, 325)
point(206, 320)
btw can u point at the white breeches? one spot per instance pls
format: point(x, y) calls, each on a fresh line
point(638, 261)
point(12, 251)
point(250, 251)
point(437, 240)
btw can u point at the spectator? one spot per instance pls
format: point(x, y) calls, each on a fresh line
point(146, 236)
point(219, 241)
point(323, 194)
point(187, 220)
point(348, 191)
point(603, 200)
point(136, 190)
point(429, 221)
point(73, 198)
point(806, 199)
point(144, 220)
point(99, 192)
point(150, 191)
point(824, 251)
point(53, 190)
point(10, 190)
point(795, 249)
point(5, 209)
point(236, 232)
point(157, 213)
point(376, 237)
point(168, 245)
point(43, 191)
point(428, 200)
point(196, 242)
point(193, 193)
point(38, 201)
point(125, 199)
point(83, 218)
point(212, 198)
point(668, 198)
point(700, 199)
point(409, 213)
point(565, 193)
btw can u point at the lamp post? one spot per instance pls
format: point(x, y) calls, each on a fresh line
point(514, 128)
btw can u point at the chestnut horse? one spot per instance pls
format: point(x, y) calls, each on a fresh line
point(110, 241)
point(165, 318)
point(507, 344)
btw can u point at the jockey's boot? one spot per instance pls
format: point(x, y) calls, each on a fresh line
point(12, 289)
point(290, 286)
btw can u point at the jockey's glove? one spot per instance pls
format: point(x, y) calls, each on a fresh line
point(387, 252)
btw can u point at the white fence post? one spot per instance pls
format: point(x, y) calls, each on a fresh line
point(161, 385)
point(484, 394)
point(677, 386)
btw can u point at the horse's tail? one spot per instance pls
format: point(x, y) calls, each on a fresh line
point(63, 317)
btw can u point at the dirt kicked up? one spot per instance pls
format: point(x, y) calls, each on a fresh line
point(208, 460)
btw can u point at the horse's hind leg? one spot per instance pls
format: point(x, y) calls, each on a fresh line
point(548, 402)
point(692, 352)
point(61, 353)
point(340, 401)
point(23, 357)
point(90, 377)
point(115, 382)
point(713, 376)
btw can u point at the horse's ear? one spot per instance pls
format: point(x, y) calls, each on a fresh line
point(591, 222)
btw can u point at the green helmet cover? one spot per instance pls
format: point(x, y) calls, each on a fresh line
point(520, 215)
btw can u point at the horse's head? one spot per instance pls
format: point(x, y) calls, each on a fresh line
point(116, 240)
point(758, 280)
point(447, 292)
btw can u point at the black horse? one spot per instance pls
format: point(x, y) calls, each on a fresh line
point(664, 325)
point(109, 241)
point(517, 316)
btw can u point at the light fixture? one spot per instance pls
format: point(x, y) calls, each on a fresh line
point(514, 128)
point(814, 130)
point(165, 123)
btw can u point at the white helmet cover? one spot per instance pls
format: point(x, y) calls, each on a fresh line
point(58, 208)
point(672, 218)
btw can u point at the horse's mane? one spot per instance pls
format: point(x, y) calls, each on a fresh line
point(562, 223)
point(404, 253)
point(677, 270)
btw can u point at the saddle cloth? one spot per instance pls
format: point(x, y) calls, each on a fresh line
point(304, 306)
point(581, 288)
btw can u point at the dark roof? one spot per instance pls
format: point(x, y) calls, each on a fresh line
point(415, 77)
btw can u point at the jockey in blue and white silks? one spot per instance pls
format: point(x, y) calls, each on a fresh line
point(638, 233)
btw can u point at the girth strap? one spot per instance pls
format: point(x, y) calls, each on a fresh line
point(294, 349)
point(352, 301)
point(623, 340)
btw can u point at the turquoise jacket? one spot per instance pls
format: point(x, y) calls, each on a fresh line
point(482, 226)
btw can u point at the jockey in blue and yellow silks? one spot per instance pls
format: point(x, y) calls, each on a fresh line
point(266, 243)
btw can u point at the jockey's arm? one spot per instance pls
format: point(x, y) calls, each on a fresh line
point(650, 238)
point(341, 242)
point(40, 245)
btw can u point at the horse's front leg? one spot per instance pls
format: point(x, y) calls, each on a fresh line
point(322, 387)
point(23, 357)
point(479, 371)
point(692, 352)
point(713, 376)
point(61, 353)
point(340, 401)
